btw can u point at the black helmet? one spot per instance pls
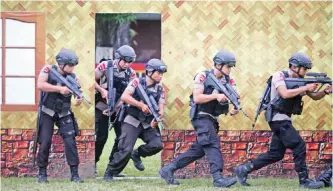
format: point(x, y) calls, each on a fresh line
point(126, 53)
point(156, 65)
point(224, 57)
point(67, 57)
point(301, 59)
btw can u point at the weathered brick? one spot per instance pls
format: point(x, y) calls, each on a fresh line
point(82, 138)
point(222, 133)
point(3, 156)
point(190, 136)
point(263, 139)
point(252, 155)
point(312, 146)
point(91, 138)
point(238, 155)
point(5, 172)
point(3, 132)
point(308, 139)
point(233, 133)
point(90, 145)
point(288, 157)
point(57, 148)
point(11, 137)
point(21, 144)
point(325, 148)
point(57, 156)
point(312, 155)
point(81, 147)
point(9, 157)
point(257, 148)
point(167, 155)
point(288, 166)
point(191, 166)
point(320, 136)
point(306, 133)
point(325, 157)
point(263, 134)
point(169, 145)
point(82, 156)
point(6, 147)
point(27, 172)
point(176, 135)
point(90, 154)
point(14, 131)
point(182, 147)
point(10, 164)
point(239, 145)
point(225, 147)
point(229, 139)
point(19, 154)
point(87, 132)
point(247, 136)
point(56, 139)
point(28, 135)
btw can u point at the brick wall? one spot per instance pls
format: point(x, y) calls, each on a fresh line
point(239, 146)
point(17, 157)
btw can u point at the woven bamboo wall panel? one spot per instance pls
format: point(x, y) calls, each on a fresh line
point(263, 35)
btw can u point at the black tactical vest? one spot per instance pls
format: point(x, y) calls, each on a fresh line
point(287, 106)
point(136, 112)
point(120, 83)
point(213, 107)
point(54, 100)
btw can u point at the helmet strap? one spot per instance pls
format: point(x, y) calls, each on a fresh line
point(297, 72)
point(220, 70)
point(62, 69)
point(150, 76)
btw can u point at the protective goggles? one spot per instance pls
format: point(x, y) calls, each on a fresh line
point(128, 59)
point(231, 64)
point(72, 62)
point(161, 69)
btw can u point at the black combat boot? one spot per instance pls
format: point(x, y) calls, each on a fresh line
point(42, 176)
point(137, 161)
point(75, 174)
point(167, 174)
point(108, 176)
point(120, 175)
point(242, 171)
point(221, 181)
point(326, 177)
point(306, 182)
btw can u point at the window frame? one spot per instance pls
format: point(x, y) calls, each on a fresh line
point(30, 17)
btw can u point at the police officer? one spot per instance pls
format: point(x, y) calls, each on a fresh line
point(139, 121)
point(284, 103)
point(56, 108)
point(205, 123)
point(125, 55)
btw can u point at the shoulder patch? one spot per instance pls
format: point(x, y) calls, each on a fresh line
point(46, 69)
point(202, 78)
point(102, 66)
point(282, 77)
point(135, 83)
point(232, 82)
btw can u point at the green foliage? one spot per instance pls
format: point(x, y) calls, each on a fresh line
point(117, 17)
